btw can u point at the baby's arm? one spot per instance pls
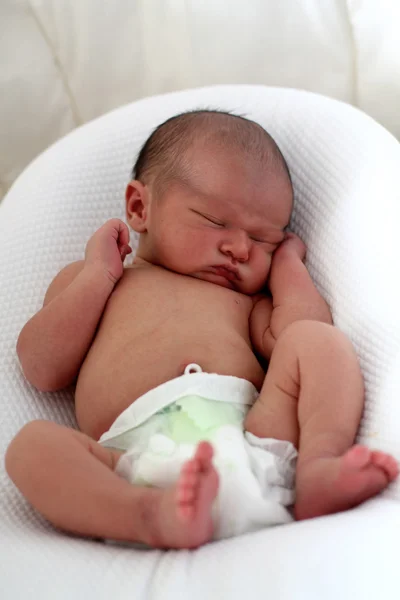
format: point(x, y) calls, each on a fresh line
point(54, 342)
point(294, 297)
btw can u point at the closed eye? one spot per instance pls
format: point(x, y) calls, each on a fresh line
point(211, 219)
point(263, 241)
point(215, 222)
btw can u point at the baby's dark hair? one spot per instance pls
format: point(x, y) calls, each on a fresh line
point(164, 154)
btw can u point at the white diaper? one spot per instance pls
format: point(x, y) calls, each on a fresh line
point(162, 428)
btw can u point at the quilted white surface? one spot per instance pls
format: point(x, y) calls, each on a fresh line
point(345, 171)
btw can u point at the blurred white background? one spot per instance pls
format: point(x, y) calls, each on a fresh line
point(65, 62)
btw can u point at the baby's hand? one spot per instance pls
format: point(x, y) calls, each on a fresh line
point(108, 247)
point(291, 243)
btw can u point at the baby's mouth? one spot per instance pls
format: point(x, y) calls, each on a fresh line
point(229, 273)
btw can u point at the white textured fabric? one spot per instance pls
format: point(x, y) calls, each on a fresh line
point(256, 475)
point(345, 172)
point(74, 61)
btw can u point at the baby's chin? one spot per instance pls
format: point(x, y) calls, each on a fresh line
point(242, 286)
point(219, 280)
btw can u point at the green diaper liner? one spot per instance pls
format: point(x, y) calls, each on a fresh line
point(192, 419)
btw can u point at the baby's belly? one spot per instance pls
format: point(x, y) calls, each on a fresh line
point(110, 381)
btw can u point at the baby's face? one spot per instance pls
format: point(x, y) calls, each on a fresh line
point(223, 224)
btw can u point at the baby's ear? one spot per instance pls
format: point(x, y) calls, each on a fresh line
point(136, 198)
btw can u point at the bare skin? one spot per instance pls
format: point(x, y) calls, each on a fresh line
point(192, 295)
point(114, 378)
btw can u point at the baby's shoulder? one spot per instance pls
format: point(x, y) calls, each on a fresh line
point(146, 270)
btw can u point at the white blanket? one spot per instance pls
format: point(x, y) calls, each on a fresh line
point(345, 171)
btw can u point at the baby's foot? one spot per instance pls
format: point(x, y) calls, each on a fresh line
point(328, 485)
point(185, 510)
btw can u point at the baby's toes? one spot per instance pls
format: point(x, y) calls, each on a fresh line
point(204, 454)
point(186, 493)
point(190, 467)
point(187, 487)
point(357, 457)
point(386, 462)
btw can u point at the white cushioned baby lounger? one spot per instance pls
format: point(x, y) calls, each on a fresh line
point(345, 170)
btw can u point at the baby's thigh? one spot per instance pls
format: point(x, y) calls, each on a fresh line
point(308, 357)
point(274, 414)
point(42, 442)
point(309, 349)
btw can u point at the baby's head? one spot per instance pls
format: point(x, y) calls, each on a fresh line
point(210, 196)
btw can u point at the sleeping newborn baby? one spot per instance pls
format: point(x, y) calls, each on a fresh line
point(184, 435)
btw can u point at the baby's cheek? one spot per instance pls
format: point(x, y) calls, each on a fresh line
point(188, 249)
point(197, 244)
point(268, 263)
point(262, 268)
point(263, 259)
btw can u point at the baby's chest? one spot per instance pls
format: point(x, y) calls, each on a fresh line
point(177, 292)
point(208, 303)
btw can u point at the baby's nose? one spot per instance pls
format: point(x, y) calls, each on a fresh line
point(236, 245)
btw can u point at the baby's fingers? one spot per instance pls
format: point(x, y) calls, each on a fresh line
point(124, 251)
point(123, 234)
point(293, 242)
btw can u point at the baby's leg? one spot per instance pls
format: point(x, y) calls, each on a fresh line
point(313, 397)
point(69, 478)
